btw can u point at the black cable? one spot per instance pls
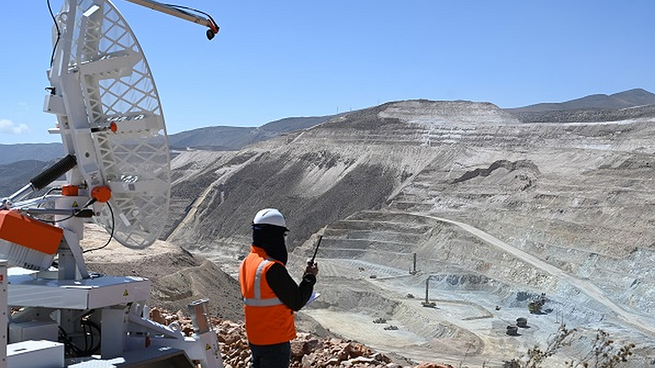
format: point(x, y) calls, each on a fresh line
point(72, 349)
point(56, 221)
point(63, 337)
point(111, 234)
point(88, 335)
point(75, 212)
point(51, 222)
point(54, 47)
point(90, 347)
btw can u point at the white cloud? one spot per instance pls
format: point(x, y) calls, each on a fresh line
point(9, 127)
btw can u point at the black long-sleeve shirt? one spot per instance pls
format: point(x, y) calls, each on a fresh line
point(285, 288)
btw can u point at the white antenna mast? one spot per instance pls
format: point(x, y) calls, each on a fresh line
point(117, 169)
point(110, 117)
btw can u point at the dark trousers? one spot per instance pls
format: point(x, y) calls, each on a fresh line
point(271, 356)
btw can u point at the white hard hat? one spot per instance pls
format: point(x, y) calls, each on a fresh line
point(270, 216)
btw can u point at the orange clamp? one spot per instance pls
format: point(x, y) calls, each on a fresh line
point(101, 194)
point(70, 190)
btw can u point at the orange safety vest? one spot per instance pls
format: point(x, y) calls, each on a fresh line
point(268, 320)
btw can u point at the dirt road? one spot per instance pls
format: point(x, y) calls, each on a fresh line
point(467, 326)
point(639, 321)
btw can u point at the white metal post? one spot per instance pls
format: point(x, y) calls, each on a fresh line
point(113, 332)
point(205, 335)
point(4, 318)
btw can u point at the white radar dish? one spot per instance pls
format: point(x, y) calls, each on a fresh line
point(117, 133)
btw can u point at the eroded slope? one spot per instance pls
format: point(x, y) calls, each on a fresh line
point(382, 185)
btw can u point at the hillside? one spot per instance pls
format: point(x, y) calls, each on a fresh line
point(497, 211)
point(214, 138)
point(16, 175)
point(10, 153)
point(226, 138)
point(178, 277)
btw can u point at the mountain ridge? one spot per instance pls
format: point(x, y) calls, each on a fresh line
point(630, 98)
point(226, 138)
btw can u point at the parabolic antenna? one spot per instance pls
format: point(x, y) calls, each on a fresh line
point(110, 118)
point(117, 172)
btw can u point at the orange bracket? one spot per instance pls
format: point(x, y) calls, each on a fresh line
point(101, 194)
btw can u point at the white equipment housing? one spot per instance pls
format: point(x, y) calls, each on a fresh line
point(117, 171)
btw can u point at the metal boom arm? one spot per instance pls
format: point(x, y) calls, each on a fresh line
point(181, 13)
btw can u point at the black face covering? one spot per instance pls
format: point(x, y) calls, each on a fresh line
point(271, 239)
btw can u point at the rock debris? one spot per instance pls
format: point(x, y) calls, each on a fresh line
point(307, 350)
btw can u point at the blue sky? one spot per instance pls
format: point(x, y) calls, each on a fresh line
point(277, 59)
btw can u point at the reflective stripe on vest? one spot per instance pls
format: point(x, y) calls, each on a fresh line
point(257, 301)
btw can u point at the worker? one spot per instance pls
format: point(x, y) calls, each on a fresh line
point(270, 295)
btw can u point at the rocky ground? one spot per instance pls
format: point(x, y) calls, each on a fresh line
point(307, 350)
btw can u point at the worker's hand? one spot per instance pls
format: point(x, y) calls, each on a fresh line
point(312, 268)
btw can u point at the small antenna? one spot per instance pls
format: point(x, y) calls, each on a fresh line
point(318, 244)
